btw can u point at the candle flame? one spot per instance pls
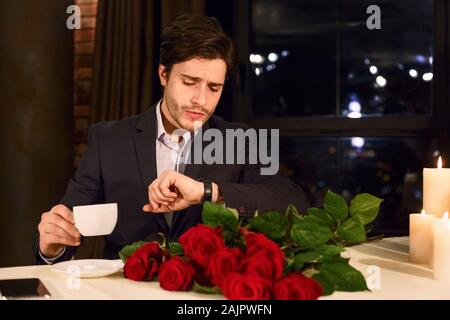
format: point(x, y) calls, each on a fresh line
point(423, 213)
point(445, 216)
point(439, 163)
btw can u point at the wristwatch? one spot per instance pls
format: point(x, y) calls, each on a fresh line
point(207, 194)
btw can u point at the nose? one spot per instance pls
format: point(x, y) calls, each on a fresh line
point(199, 98)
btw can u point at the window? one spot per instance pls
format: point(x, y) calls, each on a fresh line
point(319, 58)
point(359, 110)
point(389, 168)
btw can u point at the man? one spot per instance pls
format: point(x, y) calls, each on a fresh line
point(141, 164)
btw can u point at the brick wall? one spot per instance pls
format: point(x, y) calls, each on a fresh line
point(84, 50)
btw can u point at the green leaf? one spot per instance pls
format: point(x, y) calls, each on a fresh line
point(229, 236)
point(330, 250)
point(291, 209)
point(292, 214)
point(340, 276)
point(310, 235)
point(320, 217)
point(305, 257)
point(323, 253)
point(235, 213)
point(204, 289)
point(176, 249)
point(336, 206)
point(128, 250)
point(273, 224)
point(216, 215)
point(310, 272)
point(352, 231)
point(365, 207)
point(327, 286)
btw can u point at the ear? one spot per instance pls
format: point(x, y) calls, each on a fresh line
point(162, 72)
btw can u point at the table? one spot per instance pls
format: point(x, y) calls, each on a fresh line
point(399, 279)
point(387, 258)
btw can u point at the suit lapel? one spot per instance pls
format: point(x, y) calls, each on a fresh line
point(145, 144)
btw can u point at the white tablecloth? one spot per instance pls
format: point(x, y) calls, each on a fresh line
point(386, 259)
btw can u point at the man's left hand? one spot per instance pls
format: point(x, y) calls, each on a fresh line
point(173, 191)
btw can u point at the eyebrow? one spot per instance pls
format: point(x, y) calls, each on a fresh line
point(197, 79)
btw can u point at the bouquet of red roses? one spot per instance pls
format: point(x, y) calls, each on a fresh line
point(271, 256)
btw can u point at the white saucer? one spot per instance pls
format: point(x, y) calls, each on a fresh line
point(88, 268)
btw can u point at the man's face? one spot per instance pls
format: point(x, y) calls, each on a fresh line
point(192, 91)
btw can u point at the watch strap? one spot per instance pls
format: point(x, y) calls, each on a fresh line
point(207, 194)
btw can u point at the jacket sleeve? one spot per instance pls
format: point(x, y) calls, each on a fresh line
point(262, 193)
point(85, 188)
point(255, 191)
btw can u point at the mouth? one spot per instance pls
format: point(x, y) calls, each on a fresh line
point(194, 115)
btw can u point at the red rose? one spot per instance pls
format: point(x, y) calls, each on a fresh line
point(222, 263)
point(143, 264)
point(297, 287)
point(246, 287)
point(176, 275)
point(135, 269)
point(259, 264)
point(200, 243)
point(258, 243)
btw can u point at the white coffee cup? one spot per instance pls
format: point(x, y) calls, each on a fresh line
point(95, 220)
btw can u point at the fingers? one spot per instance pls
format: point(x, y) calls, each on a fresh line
point(64, 212)
point(159, 191)
point(56, 229)
point(164, 194)
point(167, 192)
point(177, 205)
point(58, 220)
point(154, 201)
point(167, 183)
point(155, 208)
point(51, 234)
point(147, 208)
point(54, 239)
point(156, 196)
point(185, 187)
point(151, 207)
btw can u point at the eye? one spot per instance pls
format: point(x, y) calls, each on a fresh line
point(188, 83)
point(213, 89)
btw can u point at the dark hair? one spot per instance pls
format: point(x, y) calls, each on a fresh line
point(195, 36)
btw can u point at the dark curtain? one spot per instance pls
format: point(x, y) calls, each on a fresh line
point(126, 59)
point(36, 108)
point(126, 54)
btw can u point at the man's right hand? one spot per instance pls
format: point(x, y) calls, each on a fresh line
point(57, 230)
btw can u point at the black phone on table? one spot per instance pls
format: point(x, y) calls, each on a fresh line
point(31, 288)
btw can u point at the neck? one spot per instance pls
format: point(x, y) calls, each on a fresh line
point(167, 120)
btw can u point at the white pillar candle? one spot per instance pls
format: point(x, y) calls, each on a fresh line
point(421, 237)
point(436, 189)
point(438, 222)
point(441, 221)
point(441, 254)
